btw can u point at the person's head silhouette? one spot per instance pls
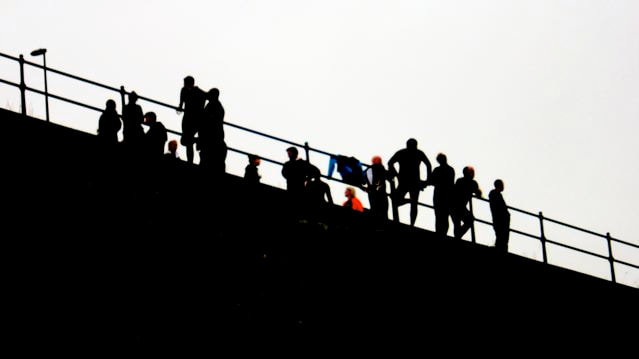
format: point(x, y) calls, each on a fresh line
point(254, 160)
point(133, 97)
point(213, 94)
point(376, 160)
point(411, 144)
point(292, 153)
point(150, 118)
point(314, 173)
point(350, 192)
point(469, 172)
point(441, 159)
point(173, 146)
point(189, 82)
point(110, 105)
point(499, 185)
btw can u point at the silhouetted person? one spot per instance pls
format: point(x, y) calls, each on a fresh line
point(210, 141)
point(376, 176)
point(352, 201)
point(443, 179)
point(409, 159)
point(172, 155)
point(318, 192)
point(192, 100)
point(348, 167)
point(155, 137)
point(501, 216)
point(465, 187)
point(109, 124)
point(295, 170)
point(132, 118)
point(251, 174)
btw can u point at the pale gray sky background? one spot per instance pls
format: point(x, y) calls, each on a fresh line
point(541, 93)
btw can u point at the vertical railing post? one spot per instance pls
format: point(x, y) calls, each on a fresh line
point(472, 223)
point(308, 152)
point(393, 201)
point(23, 87)
point(542, 235)
point(611, 259)
point(122, 94)
point(46, 87)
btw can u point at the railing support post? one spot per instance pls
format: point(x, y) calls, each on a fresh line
point(472, 223)
point(122, 94)
point(46, 87)
point(611, 259)
point(23, 87)
point(542, 235)
point(308, 152)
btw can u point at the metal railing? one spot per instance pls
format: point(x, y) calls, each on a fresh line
point(541, 236)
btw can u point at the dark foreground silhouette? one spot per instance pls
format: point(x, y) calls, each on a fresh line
point(95, 264)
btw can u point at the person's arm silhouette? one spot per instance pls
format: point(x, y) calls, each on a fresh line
point(392, 172)
point(329, 197)
point(429, 170)
point(180, 108)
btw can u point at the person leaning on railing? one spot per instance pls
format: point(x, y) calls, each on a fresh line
point(501, 216)
point(465, 187)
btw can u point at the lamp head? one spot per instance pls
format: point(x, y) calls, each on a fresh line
point(38, 52)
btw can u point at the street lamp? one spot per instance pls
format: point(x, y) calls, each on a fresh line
point(43, 52)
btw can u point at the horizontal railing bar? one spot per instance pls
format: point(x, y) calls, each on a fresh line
point(50, 69)
point(263, 134)
point(9, 57)
point(10, 83)
point(626, 264)
point(262, 158)
point(574, 227)
point(576, 249)
point(624, 242)
point(511, 230)
point(510, 207)
point(64, 99)
point(154, 101)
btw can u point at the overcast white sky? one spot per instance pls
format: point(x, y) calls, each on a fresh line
point(541, 93)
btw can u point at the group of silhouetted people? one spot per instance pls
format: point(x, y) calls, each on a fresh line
point(450, 197)
point(202, 129)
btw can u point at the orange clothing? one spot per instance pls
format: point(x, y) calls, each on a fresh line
point(354, 204)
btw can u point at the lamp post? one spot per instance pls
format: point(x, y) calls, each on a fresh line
point(43, 52)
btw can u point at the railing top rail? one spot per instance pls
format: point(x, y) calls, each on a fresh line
point(82, 79)
point(9, 57)
point(154, 101)
point(263, 134)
